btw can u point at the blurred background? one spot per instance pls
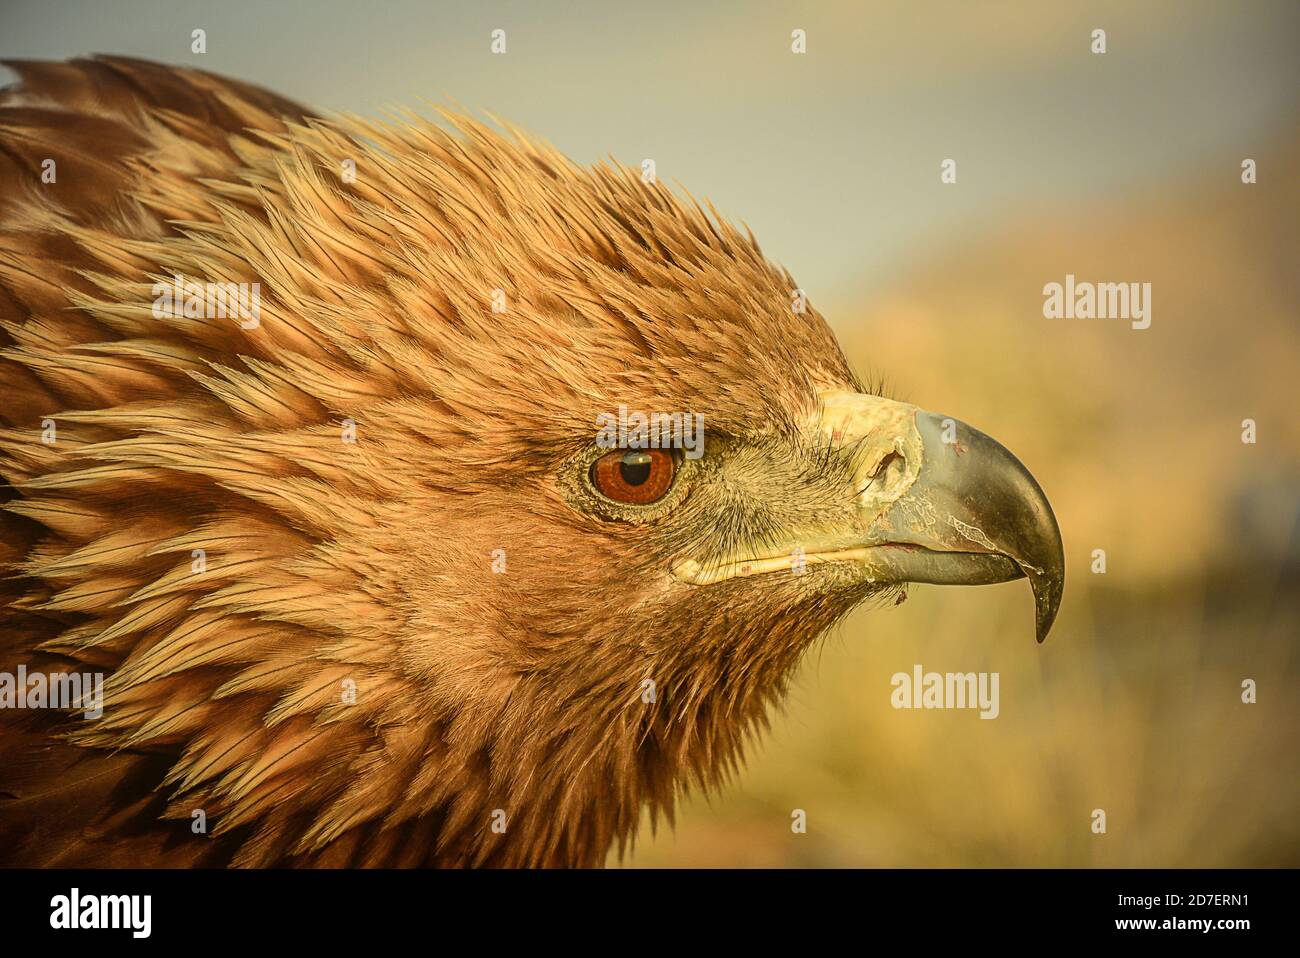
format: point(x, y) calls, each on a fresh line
point(1115, 167)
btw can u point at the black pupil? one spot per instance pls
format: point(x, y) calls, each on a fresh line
point(634, 467)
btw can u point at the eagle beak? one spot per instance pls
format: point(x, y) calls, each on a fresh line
point(941, 502)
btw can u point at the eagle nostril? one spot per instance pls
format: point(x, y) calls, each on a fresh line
point(888, 459)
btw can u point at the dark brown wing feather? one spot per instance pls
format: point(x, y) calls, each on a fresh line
point(64, 805)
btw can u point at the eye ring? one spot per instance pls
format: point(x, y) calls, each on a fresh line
point(634, 477)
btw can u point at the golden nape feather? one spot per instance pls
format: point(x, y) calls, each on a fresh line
point(340, 545)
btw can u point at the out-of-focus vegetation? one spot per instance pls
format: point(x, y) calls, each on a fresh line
point(1134, 703)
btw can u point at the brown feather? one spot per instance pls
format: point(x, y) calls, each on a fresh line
point(332, 566)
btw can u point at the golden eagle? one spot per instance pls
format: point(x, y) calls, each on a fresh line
point(363, 583)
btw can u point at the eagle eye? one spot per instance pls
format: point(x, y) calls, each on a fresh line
point(635, 477)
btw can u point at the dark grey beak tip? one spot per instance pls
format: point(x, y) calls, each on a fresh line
point(1045, 617)
point(1048, 588)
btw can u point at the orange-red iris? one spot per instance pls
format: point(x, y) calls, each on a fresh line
point(636, 477)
